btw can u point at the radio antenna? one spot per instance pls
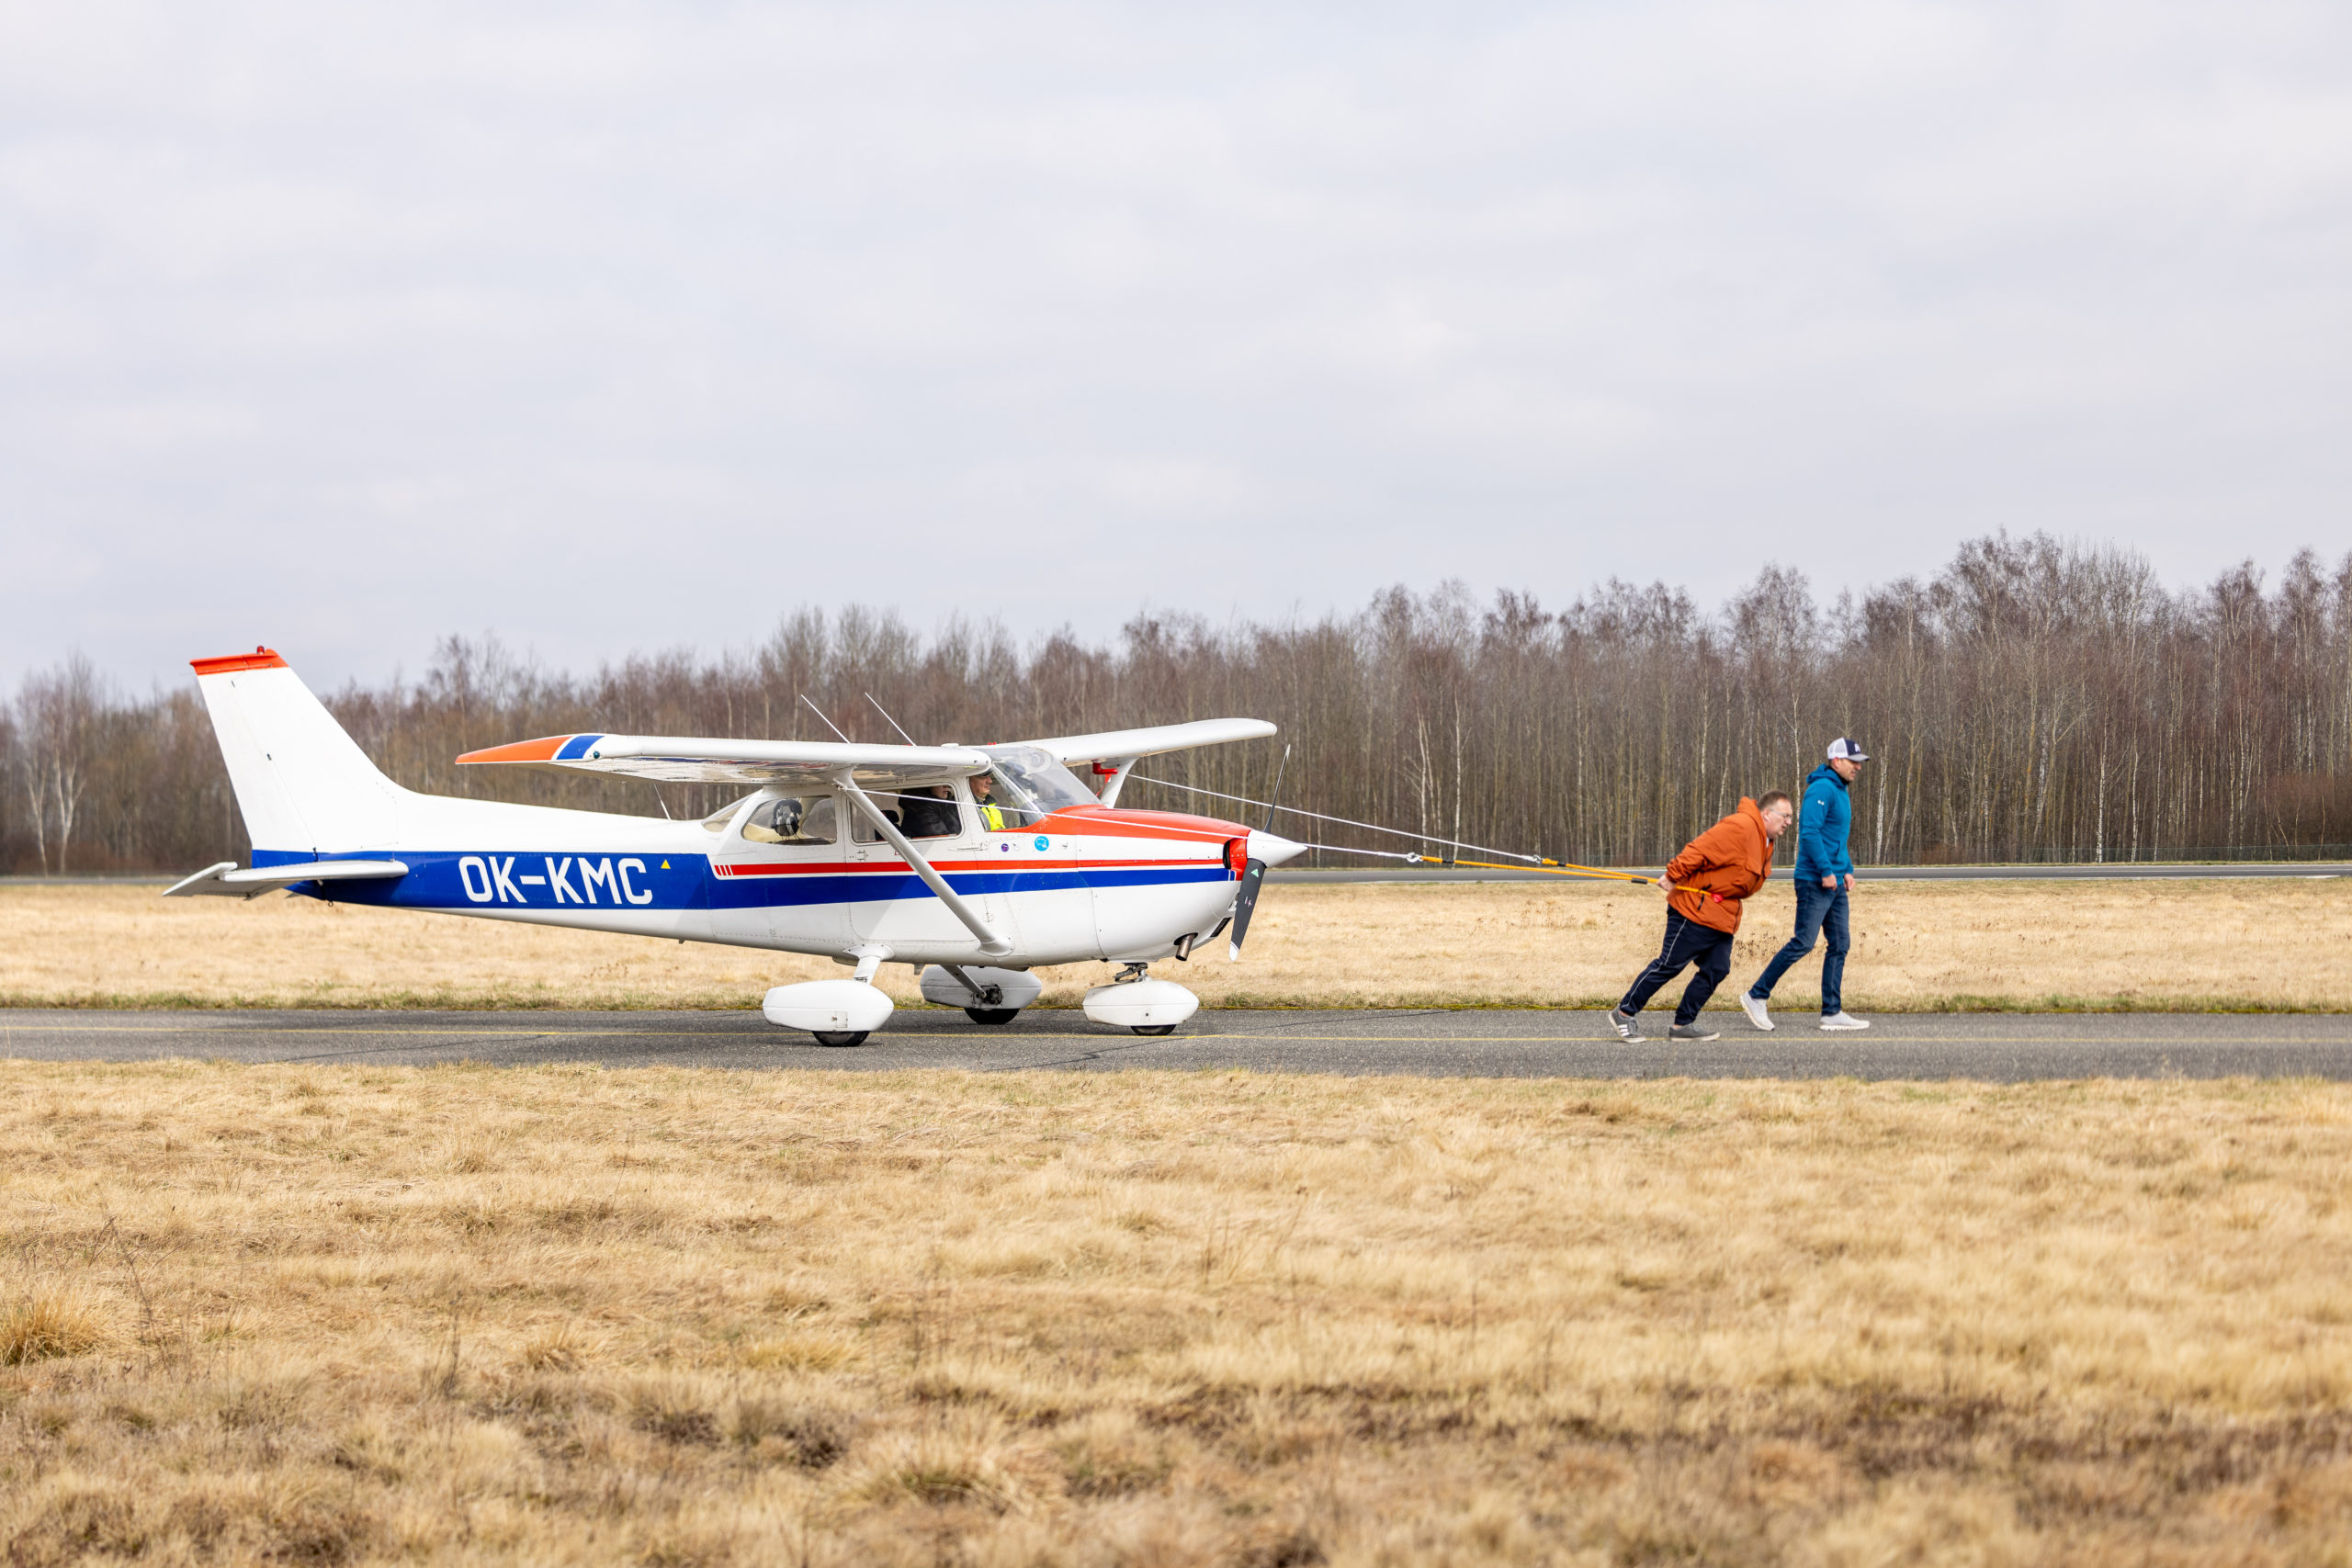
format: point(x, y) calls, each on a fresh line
point(894, 723)
point(829, 723)
point(1276, 792)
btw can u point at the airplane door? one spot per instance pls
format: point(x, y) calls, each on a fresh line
point(780, 878)
point(901, 910)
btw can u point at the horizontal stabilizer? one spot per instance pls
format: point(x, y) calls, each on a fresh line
point(1129, 743)
point(230, 880)
point(679, 759)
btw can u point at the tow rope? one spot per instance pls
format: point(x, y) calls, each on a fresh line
point(1548, 867)
point(1526, 863)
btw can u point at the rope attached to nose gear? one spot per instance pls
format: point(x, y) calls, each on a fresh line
point(1526, 863)
point(1548, 867)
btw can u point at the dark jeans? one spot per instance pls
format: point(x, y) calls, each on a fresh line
point(1686, 940)
point(1820, 911)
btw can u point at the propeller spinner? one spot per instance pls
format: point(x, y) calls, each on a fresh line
point(1264, 850)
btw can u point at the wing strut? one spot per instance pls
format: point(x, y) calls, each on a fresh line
point(993, 945)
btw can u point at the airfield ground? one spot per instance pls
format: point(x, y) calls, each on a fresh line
point(2269, 944)
point(362, 1312)
point(363, 1315)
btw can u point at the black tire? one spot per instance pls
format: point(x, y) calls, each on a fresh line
point(991, 1015)
point(1154, 1028)
point(840, 1036)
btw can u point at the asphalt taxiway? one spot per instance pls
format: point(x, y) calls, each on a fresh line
point(2004, 1047)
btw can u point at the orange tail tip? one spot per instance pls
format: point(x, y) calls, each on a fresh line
point(259, 659)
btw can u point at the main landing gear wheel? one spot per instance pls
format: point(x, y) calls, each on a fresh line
point(1141, 1004)
point(991, 1015)
point(840, 1036)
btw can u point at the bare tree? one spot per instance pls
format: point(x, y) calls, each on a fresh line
point(58, 713)
point(2036, 699)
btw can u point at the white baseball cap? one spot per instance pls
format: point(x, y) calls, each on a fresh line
point(1844, 751)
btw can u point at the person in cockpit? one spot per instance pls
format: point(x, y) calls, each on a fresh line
point(929, 813)
point(993, 816)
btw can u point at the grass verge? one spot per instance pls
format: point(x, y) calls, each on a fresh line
point(2253, 945)
point(377, 1314)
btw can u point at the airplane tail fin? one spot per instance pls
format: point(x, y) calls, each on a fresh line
point(305, 788)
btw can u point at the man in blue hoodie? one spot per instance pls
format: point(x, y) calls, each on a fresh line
point(1825, 875)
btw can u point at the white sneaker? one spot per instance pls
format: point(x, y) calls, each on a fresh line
point(1845, 1020)
point(1757, 1014)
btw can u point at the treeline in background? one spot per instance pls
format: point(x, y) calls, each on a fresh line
point(2035, 700)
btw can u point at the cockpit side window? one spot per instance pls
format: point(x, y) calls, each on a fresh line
point(794, 820)
point(918, 811)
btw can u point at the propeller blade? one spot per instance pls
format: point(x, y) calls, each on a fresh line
point(1252, 875)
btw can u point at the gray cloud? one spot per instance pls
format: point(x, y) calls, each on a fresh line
point(611, 327)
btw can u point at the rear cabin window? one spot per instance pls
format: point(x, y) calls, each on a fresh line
point(794, 820)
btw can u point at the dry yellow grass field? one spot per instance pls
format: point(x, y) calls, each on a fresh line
point(2284, 943)
point(549, 1315)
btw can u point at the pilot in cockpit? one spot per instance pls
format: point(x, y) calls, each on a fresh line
point(993, 816)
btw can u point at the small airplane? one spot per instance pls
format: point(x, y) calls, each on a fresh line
point(976, 864)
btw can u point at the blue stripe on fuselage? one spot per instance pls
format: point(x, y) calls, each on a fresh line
point(447, 879)
point(747, 893)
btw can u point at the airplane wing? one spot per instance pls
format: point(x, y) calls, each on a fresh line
point(1128, 744)
point(677, 758)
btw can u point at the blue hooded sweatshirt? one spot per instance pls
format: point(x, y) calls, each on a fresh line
point(1823, 822)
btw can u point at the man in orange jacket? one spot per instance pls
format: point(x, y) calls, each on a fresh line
point(1704, 887)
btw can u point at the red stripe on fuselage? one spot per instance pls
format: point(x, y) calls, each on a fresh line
point(1205, 833)
point(945, 867)
point(1118, 822)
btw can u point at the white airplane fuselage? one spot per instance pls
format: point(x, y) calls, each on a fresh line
point(1055, 876)
point(1084, 882)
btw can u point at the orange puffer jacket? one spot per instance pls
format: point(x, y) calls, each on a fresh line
point(1720, 867)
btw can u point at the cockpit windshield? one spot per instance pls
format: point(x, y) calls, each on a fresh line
point(1029, 784)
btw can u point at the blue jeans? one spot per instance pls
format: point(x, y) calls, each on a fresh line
point(1820, 911)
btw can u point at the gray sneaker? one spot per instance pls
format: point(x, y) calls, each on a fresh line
point(1693, 1032)
point(1629, 1026)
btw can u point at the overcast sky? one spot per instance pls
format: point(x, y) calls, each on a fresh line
point(341, 327)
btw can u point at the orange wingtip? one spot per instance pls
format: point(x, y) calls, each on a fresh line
point(543, 750)
point(259, 659)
